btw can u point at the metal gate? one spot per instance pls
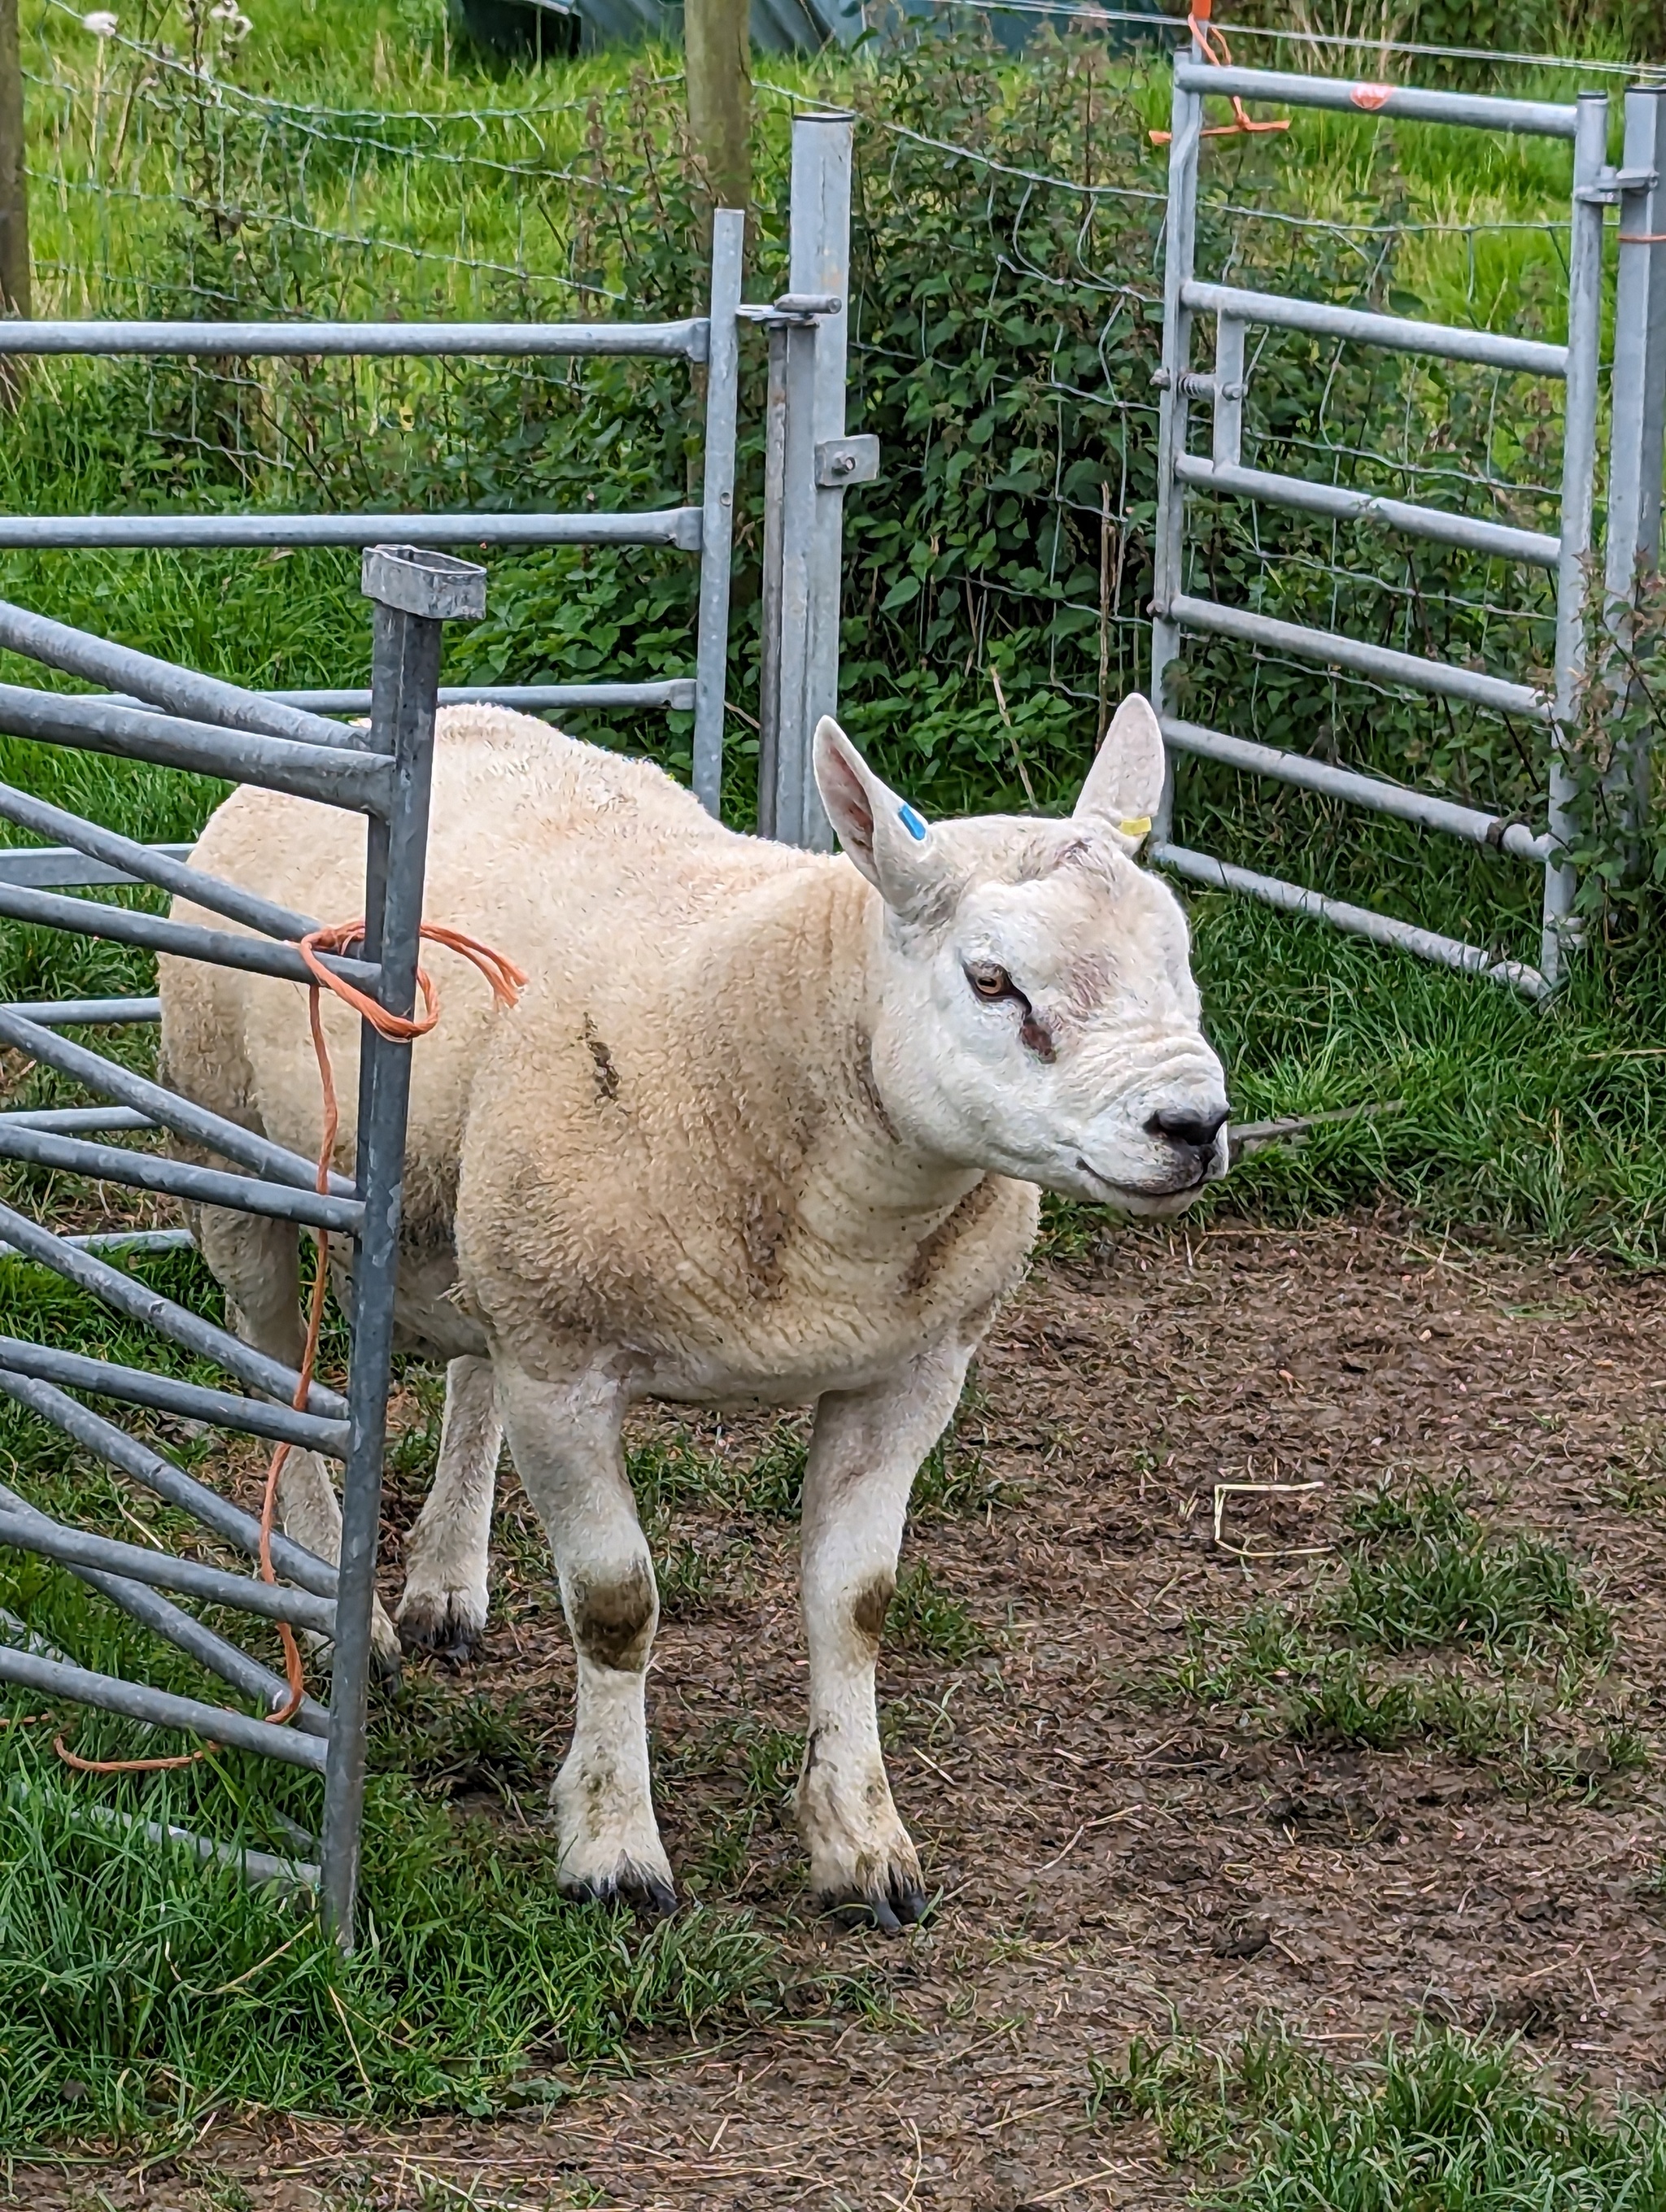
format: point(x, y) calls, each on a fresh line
point(1177, 611)
point(179, 719)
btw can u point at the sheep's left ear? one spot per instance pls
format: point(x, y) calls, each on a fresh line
point(1124, 786)
point(888, 839)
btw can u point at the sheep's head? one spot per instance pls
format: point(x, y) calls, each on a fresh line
point(1037, 1015)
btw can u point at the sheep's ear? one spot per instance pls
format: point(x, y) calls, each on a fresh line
point(890, 842)
point(1124, 786)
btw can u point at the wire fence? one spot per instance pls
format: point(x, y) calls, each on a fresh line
point(1005, 332)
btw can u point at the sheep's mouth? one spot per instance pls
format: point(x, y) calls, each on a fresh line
point(1120, 1190)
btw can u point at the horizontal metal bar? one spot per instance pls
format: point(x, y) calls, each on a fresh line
point(136, 1240)
point(690, 338)
point(194, 1401)
point(177, 690)
point(1361, 921)
point(180, 1179)
point(73, 1548)
point(294, 1877)
point(145, 863)
point(1360, 790)
point(1379, 661)
point(1493, 349)
point(90, 1013)
point(127, 1295)
point(183, 1629)
point(675, 694)
point(1538, 118)
point(43, 867)
point(337, 776)
point(50, 1678)
point(186, 940)
point(1347, 505)
point(212, 1131)
point(74, 1120)
point(150, 1469)
point(672, 526)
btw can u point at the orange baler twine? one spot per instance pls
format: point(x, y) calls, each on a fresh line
point(1208, 39)
point(507, 981)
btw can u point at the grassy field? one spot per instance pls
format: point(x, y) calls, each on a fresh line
point(137, 1992)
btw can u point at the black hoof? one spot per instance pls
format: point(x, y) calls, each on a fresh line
point(444, 1633)
point(899, 1905)
point(453, 1644)
point(648, 1898)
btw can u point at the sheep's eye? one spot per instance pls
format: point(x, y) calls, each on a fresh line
point(990, 982)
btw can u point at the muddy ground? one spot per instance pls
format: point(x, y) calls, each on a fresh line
point(1112, 1859)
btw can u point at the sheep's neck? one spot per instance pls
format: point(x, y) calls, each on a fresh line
point(862, 1180)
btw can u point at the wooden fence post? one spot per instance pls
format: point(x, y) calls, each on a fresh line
point(718, 48)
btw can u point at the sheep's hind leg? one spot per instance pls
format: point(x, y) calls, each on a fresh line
point(258, 1265)
point(447, 1551)
point(566, 1442)
point(864, 1455)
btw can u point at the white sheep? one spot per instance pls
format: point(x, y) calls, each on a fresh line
point(766, 1127)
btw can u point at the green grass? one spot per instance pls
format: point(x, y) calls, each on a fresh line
point(1443, 2122)
point(1424, 1574)
point(924, 1617)
point(138, 1990)
point(1429, 1629)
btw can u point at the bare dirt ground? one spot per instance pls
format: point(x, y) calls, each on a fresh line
point(1112, 1861)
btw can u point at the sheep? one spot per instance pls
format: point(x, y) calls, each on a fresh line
point(766, 1127)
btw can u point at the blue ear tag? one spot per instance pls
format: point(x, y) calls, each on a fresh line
point(912, 823)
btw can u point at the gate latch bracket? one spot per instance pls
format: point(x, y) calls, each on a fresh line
point(842, 462)
point(1609, 184)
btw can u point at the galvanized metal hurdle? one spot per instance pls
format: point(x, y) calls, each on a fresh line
point(177, 718)
point(1583, 124)
point(709, 342)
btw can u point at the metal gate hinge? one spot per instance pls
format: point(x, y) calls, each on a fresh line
point(842, 462)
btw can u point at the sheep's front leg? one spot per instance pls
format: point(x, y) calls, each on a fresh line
point(447, 1553)
point(864, 1455)
point(566, 1442)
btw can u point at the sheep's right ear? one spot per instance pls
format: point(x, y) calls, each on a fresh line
point(889, 841)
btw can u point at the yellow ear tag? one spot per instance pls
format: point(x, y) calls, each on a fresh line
point(1137, 827)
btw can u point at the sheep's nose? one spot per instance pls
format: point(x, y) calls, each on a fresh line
point(1185, 1125)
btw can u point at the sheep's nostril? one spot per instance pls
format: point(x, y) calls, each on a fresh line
point(1185, 1125)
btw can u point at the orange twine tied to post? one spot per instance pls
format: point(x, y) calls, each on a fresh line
point(1209, 39)
point(507, 981)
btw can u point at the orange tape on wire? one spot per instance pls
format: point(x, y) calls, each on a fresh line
point(507, 981)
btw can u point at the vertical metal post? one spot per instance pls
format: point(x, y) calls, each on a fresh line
point(415, 593)
point(1639, 403)
point(820, 262)
point(1185, 127)
point(1584, 318)
point(775, 469)
point(717, 515)
point(804, 521)
point(1227, 447)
